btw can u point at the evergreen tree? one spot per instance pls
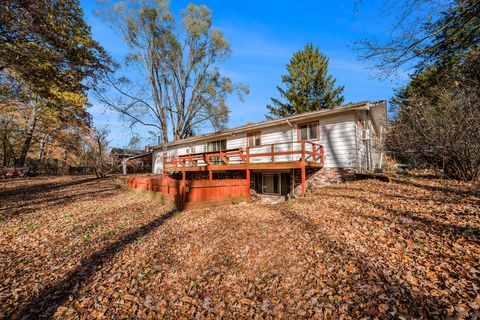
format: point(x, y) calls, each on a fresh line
point(308, 86)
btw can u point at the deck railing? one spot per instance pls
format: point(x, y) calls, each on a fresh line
point(304, 151)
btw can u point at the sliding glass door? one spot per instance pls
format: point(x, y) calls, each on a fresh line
point(217, 145)
point(271, 183)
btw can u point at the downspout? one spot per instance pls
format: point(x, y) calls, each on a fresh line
point(369, 151)
point(380, 161)
point(293, 136)
point(292, 192)
point(382, 136)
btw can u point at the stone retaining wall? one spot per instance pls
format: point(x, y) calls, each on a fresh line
point(321, 177)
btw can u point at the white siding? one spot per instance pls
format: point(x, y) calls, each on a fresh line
point(276, 135)
point(363, 157)
point(337, 135)
point(157, 159)
point(238, 141)
point(368, 150)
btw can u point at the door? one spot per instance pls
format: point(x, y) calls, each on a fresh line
point(257, 176)
point(271, 183)
point(285, 181)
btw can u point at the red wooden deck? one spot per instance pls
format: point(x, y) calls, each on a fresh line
point(284, 155)
point(190, 194)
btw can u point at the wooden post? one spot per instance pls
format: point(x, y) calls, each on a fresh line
point(322, 156)
point(225, 158)
point(314, 151)
point(164, 174)
point(304, 189)
point(303, 152)
point(273, 152)
point(163, 163)
point(180, 194)
point(248, 186)
point(183, 188)
point(247, 166)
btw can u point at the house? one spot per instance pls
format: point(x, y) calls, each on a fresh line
point(283, 156)
point(131, 160)
point(120, 154)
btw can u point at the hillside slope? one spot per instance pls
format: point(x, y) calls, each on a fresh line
point(82, 248)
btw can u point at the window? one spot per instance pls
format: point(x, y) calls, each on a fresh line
point(217, 145)
point(308, 131)
point(271, 183)
point(253, 139)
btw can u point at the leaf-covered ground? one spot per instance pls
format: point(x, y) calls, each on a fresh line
point(83, 248)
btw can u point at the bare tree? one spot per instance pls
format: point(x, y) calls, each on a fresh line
point(95, 151)
point(185, 89)
point(440, 126)
point(423, 31)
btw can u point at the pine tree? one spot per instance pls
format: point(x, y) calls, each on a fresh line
point(308, 86)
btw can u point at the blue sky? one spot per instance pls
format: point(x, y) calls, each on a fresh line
point(263, 36)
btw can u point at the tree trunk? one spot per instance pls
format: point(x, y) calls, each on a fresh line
point(157, 97)
point(5, 148)
point(42, 148)
point(100, 173)
point(96, 172)
point(8, 153)
point(27, 143)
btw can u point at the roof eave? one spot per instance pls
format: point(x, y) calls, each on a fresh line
point(270, 123)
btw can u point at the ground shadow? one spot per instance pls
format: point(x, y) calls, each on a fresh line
point(42, 187)
point(445, 190)
point(27, 199)
point(417, 175)
point(384, 280)
point(429, 225)
point(31, 205)
point(52, 297)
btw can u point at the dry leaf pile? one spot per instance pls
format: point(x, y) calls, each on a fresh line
point(85, 248)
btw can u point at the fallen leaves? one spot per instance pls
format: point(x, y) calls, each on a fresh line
point(81, 248)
